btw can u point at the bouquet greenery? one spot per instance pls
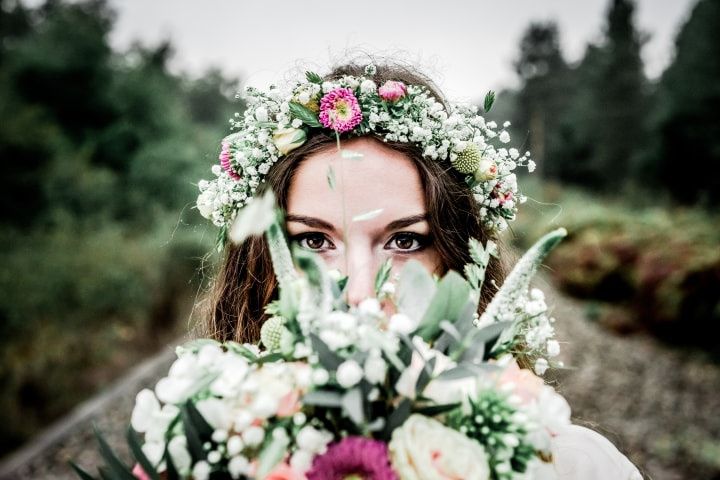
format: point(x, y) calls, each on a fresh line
point(432, 390)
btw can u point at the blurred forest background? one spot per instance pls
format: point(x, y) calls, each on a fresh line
point(102, 253)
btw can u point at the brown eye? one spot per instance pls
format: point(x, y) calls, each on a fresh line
point(314, 241)
point(406, 242)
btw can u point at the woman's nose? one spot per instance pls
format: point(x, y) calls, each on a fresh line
point(361, 274)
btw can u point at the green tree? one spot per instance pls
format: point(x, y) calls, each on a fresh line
point(543, 96)
point(687, 119)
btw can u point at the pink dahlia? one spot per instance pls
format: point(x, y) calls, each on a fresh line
point(353, 457)
point(339, 110)
point(225, 156)
point(392, 91)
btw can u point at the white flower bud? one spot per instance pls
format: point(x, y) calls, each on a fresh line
point(349, 374)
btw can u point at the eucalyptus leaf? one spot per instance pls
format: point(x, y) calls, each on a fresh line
point(328, 359)
point(272, 454)
point(448, 302)
point(415, 289)
point(397, 417)
point(353, 405)
point(307, 116)
point(241, 349)
point(323, 398)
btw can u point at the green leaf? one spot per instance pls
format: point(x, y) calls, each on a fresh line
point(313, 77)
point(280, 253)
point(254, 218)
point(331, 177)
point(367, 215)
point(489, 100)
point(353, 406)
point(171, 471)
point(272, 454)
point(323, 398)
point(241, 349)
point(133, 441)
point(425, 376)
point(434, 410)
point(269, 358)
point(197, 430)
point(327, 358)
point(382, 275)
point(307, 116)
point(397, 417)
point(415, 289)
point(448, 302)
point(117, 469)
point(518, 281)
point(80, 472)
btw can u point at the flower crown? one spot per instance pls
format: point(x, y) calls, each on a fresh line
point(274, 124)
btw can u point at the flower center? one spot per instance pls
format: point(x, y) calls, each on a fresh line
point(342, 109)
point(353, 476)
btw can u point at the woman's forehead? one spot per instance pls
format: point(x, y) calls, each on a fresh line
point(383, 179)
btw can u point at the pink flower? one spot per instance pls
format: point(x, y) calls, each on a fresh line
point(139, 473)
point(284, 472)
point(353, 457)
point(339, 110)
point(526, 384)
point(225, 156)
point(289, 404)
point(392, 91)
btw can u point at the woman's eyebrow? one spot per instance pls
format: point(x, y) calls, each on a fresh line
point(406, 222)
point(311, 222)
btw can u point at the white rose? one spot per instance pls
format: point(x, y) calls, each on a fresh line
point(349, 373)
point(424, 449)
point(288, 139)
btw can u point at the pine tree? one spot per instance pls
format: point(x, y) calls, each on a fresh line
point(543, 95)
point(686, 159)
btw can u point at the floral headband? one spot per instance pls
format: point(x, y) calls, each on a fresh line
point(274, 124)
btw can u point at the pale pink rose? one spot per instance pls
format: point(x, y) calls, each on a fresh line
point(526, 384)
point(139, 473)
point(289, 404)
point(284, 472)
point(392, 91)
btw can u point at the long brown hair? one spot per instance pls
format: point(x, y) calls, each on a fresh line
point(245, 282)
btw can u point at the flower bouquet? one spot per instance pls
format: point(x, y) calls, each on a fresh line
point(431, 390)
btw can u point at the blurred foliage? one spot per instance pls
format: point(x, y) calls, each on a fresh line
point(647, 266)
point(601, 124)
point(99, 253)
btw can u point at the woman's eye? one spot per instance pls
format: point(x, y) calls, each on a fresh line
point(314, 241)
point(408, 242)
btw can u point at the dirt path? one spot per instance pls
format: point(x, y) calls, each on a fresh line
point(660, 406)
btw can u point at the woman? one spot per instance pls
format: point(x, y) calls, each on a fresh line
point(405, 190)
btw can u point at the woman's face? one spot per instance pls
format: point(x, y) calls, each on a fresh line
point(325, 220)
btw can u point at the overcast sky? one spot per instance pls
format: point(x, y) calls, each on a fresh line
point(467, 46)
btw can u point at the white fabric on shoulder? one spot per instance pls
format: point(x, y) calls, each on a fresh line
point(583, 454)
